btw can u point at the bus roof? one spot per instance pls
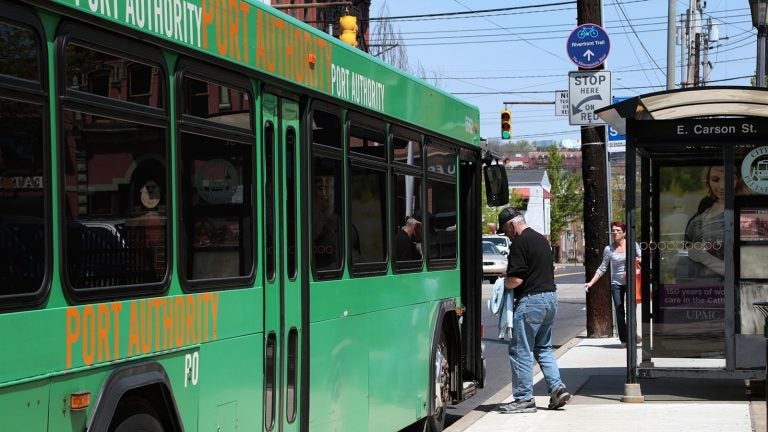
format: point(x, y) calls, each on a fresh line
point(262, 38)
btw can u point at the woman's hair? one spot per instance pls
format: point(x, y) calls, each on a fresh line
point(619, 224)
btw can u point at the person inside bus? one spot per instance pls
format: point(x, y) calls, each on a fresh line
point(531, 274)
point(325, 225)
point(406, 240)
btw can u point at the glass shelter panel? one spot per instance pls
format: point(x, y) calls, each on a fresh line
point(690, 319)
point(751, 245)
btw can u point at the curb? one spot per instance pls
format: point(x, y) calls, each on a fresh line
point(471, 417)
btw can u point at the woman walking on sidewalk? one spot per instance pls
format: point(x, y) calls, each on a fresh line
point(615, 254)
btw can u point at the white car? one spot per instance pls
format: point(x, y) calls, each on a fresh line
point(494, 263)
point(502, 242)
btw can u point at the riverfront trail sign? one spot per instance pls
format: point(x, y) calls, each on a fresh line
point(588, 46)
point(588, 91)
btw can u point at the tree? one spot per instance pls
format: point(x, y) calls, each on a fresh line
point(567, 196)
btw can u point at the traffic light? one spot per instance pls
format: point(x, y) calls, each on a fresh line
point(348, 29)
point(506, 124)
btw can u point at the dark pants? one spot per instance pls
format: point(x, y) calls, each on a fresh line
point(619, 294)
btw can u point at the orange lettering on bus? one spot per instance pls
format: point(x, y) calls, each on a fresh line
point(133, 332)
point(288, 52)
point(207, 18)
point(215, 313)
point(167, 326)
point(280, 41)
point(102, 344)
point(269, 43)
point(172, 322)
point(190, 316)
point(89, 335)
point(161, 313)
point(145, 324)
point(73, 331)
point(116, 308)
point(220, 20)
point(323, 64)
point(179, 321)
point(245, 8)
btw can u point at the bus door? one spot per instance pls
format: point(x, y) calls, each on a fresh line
point(283, 300)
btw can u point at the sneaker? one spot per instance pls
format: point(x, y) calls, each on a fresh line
point(517, 407)
point(559, 397)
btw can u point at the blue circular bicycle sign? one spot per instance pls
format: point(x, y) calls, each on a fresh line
point(588, 46)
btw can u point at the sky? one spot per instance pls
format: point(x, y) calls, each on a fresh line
point(519, 55)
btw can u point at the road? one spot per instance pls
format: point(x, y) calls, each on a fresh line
point(571, 321)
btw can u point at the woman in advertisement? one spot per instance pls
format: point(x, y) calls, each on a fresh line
point(704, 230)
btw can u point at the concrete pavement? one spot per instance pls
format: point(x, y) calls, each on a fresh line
point(594, 371)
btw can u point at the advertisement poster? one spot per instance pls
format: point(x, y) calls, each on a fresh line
point(691, 297)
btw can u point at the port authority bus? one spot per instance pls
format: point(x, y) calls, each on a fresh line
point(198, 208)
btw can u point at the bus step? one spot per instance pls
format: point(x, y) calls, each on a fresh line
point(469, 390)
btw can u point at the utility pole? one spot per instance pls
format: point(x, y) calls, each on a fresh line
point(593, 171)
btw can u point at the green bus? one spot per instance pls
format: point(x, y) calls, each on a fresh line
point(198, 207)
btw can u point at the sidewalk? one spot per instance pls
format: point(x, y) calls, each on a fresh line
point(595, 372)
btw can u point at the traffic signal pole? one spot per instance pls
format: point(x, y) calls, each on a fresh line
point(593, 169)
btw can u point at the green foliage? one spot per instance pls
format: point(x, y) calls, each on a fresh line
point(567, 196)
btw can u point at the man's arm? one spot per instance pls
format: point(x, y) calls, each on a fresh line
point(512, 282)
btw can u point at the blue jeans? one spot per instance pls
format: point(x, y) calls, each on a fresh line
point(619, 294)
point(532, 338)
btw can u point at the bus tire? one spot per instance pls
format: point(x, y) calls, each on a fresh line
point(136, 414)
point(141, 422)
point(441, 386)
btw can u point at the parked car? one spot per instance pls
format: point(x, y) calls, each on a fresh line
point(502, 242)
point(494, 263)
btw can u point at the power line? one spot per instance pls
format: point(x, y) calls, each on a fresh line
point(469, 12)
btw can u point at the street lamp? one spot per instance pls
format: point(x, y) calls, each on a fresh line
point(759, 10)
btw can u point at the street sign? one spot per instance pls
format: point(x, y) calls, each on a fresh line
point(561, 103)
point(588, 91)
point(588, 46)
point(617, 142)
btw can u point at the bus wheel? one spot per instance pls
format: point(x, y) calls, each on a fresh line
point(140, 423)
point(436, 421)
point(136, 414)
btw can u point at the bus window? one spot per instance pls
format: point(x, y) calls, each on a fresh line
point(94, 71)
point(326, 129)
point(366, 136)
point(407, 205)
point(23, 171)
point(441, 235)
point(367, 210)
point(441, 226)
point(22, 193)
point(215, 195)
point(406, 147)
point(327, 228)
point(327, 216)
point(216, 180)
point(21, 58)
point(115, 204)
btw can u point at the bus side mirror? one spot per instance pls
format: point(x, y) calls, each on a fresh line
point(496, 186)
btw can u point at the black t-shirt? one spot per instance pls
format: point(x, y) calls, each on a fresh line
point(530, 259)
point(405, 249)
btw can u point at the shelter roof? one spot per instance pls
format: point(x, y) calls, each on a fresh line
point(720, 101)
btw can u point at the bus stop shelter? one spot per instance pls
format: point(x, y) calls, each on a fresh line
point(697, 204)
